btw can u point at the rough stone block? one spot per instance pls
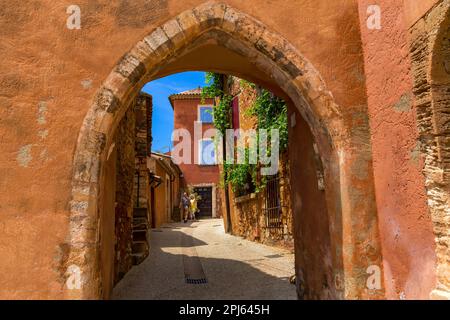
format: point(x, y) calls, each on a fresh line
point(249, 30)
point(277, 48)
point(119, 85)
point(231, 19)
point(131, 68)
point(159, 42)
point(189, 24)
point(174, 32)
point(210, 14)
point(106, 101)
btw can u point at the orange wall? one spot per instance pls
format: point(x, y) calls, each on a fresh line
point(50, 77)
point(404, 221)
point(107, 233)
point(185, 114)
point(314, 262)
point(160, 198)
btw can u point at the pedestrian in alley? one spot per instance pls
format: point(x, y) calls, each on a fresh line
point(193, 206)
point(185, 206)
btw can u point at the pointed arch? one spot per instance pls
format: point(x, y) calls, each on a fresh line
point(352, 212)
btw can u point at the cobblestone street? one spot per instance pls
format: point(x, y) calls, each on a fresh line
point(199, 261)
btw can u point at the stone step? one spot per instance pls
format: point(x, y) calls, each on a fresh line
point(140, 212)
point(138, 258)
point(139, 235)
point(139, 246)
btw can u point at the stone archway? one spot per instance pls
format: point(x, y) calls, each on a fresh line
point(430, 55)
point(351, 204)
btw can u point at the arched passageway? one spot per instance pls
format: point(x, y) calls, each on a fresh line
point(219, 38)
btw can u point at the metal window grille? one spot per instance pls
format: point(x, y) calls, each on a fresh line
point(274, 222)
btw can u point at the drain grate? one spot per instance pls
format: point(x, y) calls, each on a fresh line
point(193, 269)
point(196, 281)
point(273, 256)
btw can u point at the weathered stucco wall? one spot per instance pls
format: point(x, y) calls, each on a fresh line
point(314, 263)
point(107, 233)
point(161, 214)
point(49, 78)
point(185, 116)
point(405, 226)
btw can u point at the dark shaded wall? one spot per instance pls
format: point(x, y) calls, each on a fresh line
point(311, 224)
point(107, 234)
point(125, 144)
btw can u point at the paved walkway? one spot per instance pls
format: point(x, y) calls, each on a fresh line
point(185, 256)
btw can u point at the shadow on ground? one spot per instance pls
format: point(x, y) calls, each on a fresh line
point(162, 274)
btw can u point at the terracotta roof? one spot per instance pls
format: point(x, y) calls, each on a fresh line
point(192, 91)
point(188, 94)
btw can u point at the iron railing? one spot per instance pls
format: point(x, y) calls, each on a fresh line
point(273, 210)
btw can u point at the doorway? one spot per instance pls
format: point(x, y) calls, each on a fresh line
point(205, 203)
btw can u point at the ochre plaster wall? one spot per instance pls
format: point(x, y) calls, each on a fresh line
point(185, 114)
point(405, 226)
point(49, 78)
point(314, 265)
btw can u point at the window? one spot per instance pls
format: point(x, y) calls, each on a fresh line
point(207, 152)
point(205, 114)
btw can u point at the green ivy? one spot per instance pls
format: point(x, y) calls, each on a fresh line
point(221, 110)
point(243, 177)
point(214, 85)
point(271, 113)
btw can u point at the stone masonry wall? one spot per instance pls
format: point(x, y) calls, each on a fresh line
point(430, 59)
point(125, 140)
point(248, 215)
point(143, 111)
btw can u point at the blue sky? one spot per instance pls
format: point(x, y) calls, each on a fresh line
point(161, 89)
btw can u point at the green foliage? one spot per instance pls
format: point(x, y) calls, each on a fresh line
point(242, 177)
point(222, 114)
point(222, 110)
point(271, 113)
point(247, 84)
point(214, 87)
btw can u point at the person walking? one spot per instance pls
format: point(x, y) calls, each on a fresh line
point(185, 206)
point(193, 206)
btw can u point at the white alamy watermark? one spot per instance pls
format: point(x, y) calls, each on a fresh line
point(74, 19)
point(374, 17)
point(374, 280)
point(73, 281)
point(241, 147)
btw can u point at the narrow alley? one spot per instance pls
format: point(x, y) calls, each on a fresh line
point(199, 261)
point(225, 150)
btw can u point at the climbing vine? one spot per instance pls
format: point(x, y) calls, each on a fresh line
point(243, 177)
point(270, 112)
point(222, 109)
point(214, 85)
